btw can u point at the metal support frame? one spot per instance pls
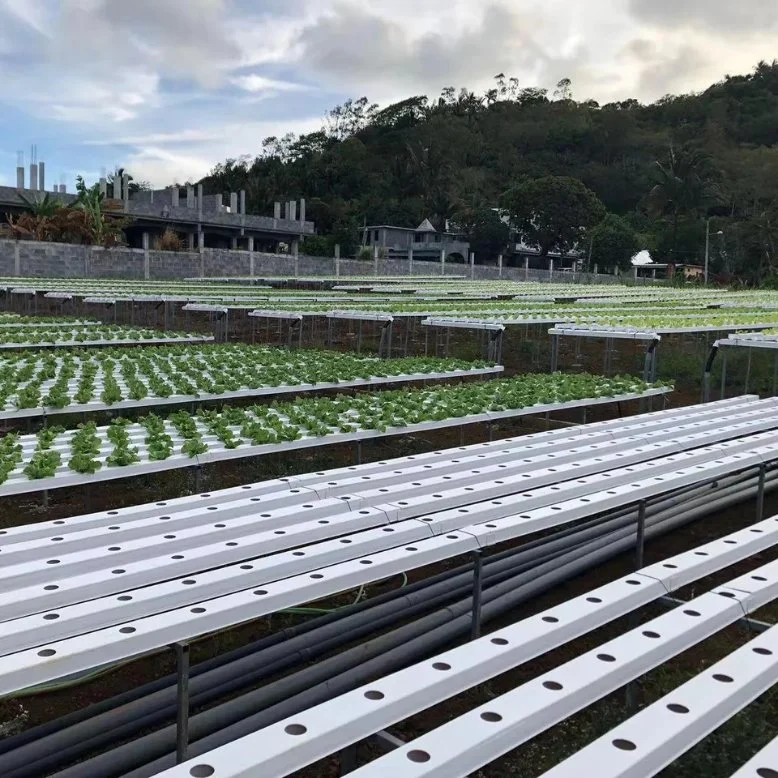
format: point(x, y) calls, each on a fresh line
point(182, 701)
point(475, 627)
point(714, 350)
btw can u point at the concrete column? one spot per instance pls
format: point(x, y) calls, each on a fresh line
point(146, 264)
point(42, 176)
point(472, 265)
point(234, 242)
point(251, 255)
point(375, 260)
point(190, 197)
point(337, 260)
point(33, 177)
point(200, 241)
point(302, 210)
point(20, 177)
point(292, 215)
point(17, 260)
point(242, 202)
point(596, 270)
point(551, 268)
point(233, 202)
point(191, 241)
point(63, 188)
point(526, 268)
point(199, 202)
point(296, 252)
point(175, 197)
point(443, 262)
point(103, 186)
point(499, 266)
point(410, 260)
point(276, 210)
point(126, 191)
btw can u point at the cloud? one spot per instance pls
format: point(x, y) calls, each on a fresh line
point(256, 83)
point(720, 16)
point(182, 38)
point(359, 48)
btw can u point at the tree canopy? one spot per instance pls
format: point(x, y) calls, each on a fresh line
point(664, 168)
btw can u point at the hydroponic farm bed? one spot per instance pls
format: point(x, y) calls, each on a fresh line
point(89, 335)
point(45, 384)
point(57, 458)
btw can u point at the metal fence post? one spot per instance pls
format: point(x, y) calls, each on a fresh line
point(182, 701)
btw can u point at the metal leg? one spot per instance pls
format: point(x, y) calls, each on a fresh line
point(760, 493)
point(475, 628)
point(182, 701)
point(640, 535)
point(348, 759)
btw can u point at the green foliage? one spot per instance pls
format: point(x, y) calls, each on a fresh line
point(613, 244)
point(553, 213)
point(487, 232)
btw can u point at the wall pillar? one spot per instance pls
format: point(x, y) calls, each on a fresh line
point(146, 265)
point(33, 176)
point(175, 197)
point(292, 214)
point(234, 242)
point(126, 191)
point(337, 260)
point(20, 177)
point(251, 255)
point(375, 260)
point(276, 210)
point(233, 202)
point(103, 186)
point(242, 206)
point(191, 241)
point(499, 266)
point(199, 202)
point(200, 241)
point(17, 260)
point(302, 210)
point(296, 253)
point(190, 197)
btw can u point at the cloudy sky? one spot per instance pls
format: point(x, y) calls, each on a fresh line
point(167, 88)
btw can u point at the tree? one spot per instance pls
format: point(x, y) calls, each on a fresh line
point(683, 185)
point(553, 213)
point(487, 232)
point(613, 243)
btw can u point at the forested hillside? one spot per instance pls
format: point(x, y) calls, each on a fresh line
point(659, 170)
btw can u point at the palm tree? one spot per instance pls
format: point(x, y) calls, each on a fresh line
point(685, 184)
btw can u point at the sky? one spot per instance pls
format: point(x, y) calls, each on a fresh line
point(169, 88)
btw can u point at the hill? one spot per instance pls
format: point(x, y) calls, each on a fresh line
point(660, 170)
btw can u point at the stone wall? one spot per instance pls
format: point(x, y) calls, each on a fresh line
point(63, 260)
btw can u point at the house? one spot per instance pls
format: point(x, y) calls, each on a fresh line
point(425, 242)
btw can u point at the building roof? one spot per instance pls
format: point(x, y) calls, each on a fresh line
point(426, 226)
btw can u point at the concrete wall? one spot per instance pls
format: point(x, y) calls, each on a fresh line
point(63, 260)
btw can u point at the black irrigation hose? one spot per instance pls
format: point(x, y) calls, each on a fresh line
point(385, 654)
point(110, 725)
